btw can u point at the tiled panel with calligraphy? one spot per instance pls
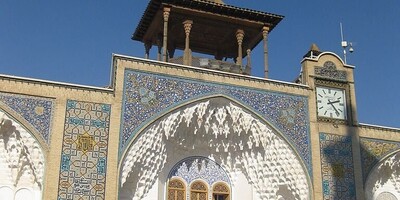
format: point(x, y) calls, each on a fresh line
point(337, 167)
point(84, 151)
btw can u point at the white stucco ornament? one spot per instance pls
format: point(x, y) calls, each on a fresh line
point(240, 142)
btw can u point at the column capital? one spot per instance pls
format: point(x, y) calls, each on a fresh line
point(187, 24)
point(166, 12)
point(265, 31)
point(239, 36)
point(248, 51)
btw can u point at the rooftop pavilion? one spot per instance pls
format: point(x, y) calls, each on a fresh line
point(205, 27)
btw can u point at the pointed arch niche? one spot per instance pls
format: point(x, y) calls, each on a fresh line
point(383, 182)
point(258, 160)
point(22, 161)
point(205, 179)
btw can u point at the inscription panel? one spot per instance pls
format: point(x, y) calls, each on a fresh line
point(337, 167)
point(84, 151)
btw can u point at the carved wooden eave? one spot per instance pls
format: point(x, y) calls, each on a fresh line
point(214, 26)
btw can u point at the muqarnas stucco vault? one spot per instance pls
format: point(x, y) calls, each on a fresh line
point(239, 141)
point(337, 167)
point(37, 111)
point(147, 95)
point(373, 150)
point(84, 151)
point(383, 182)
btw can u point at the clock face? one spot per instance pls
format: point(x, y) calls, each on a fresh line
point(331, 102)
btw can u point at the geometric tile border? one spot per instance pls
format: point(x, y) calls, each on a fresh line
point(148, 95)
point(337, 167)
point(84, 151)
point(373, 150)
point(37, 111)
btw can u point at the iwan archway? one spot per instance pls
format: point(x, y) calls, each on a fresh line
point(22, 161)
point(258, 160)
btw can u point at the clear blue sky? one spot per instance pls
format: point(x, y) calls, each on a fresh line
point(72, 41)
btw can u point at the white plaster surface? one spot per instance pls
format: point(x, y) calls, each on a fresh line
point(255, 157)
point(383, 182)
point(21, 162)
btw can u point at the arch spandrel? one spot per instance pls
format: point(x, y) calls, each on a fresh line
point(226, 132)
point(147, 96)
point(383, 181)
point(35, 113)
point(26, 125)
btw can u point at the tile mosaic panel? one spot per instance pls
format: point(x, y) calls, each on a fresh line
point(329, 71)
point(36, 110)
point(148, 95)
point(373, 150)
point(193, 168)
point(84, 151)
point(337, 167)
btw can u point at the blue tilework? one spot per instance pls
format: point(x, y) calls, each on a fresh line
point(337, 167)
point(192, 168)
point(373, 150)
point(35, 110)
point(84, 151)
point(146, 96)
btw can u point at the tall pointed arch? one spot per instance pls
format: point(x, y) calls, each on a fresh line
point(22, 160)
point(220, 128)
point(383, 181)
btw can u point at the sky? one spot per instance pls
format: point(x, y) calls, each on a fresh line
point(73, 41)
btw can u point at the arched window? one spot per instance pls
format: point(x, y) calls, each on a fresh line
point(198, 191)
point(221, 191)
point(176, 190)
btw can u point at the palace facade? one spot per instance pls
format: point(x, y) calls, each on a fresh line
point(196, 127)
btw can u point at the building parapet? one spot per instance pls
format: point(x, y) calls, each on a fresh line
point(212, 71)
point(56, 83)
point(376, 127)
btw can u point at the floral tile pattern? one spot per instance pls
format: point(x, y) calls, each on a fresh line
point(373, 150)
point(337, 167)
point(84, 151)
point(37, 111)
point(147, 96)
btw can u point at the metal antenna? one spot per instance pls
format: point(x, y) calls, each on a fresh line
point(345, 45)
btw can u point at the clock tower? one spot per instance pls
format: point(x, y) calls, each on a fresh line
point(332, 80)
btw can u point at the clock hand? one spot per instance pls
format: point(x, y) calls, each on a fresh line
point(332, 102)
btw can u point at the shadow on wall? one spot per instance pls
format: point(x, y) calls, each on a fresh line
point(21, 160)
point(383, 181)
point(337, 166)
point(227, 133)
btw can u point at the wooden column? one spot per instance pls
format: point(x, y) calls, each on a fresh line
point(167, 10)
point(159, 48)
point(265, 39)
point(147, 47)
point(239, 37)
point(187, 56)
point(248, 66)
